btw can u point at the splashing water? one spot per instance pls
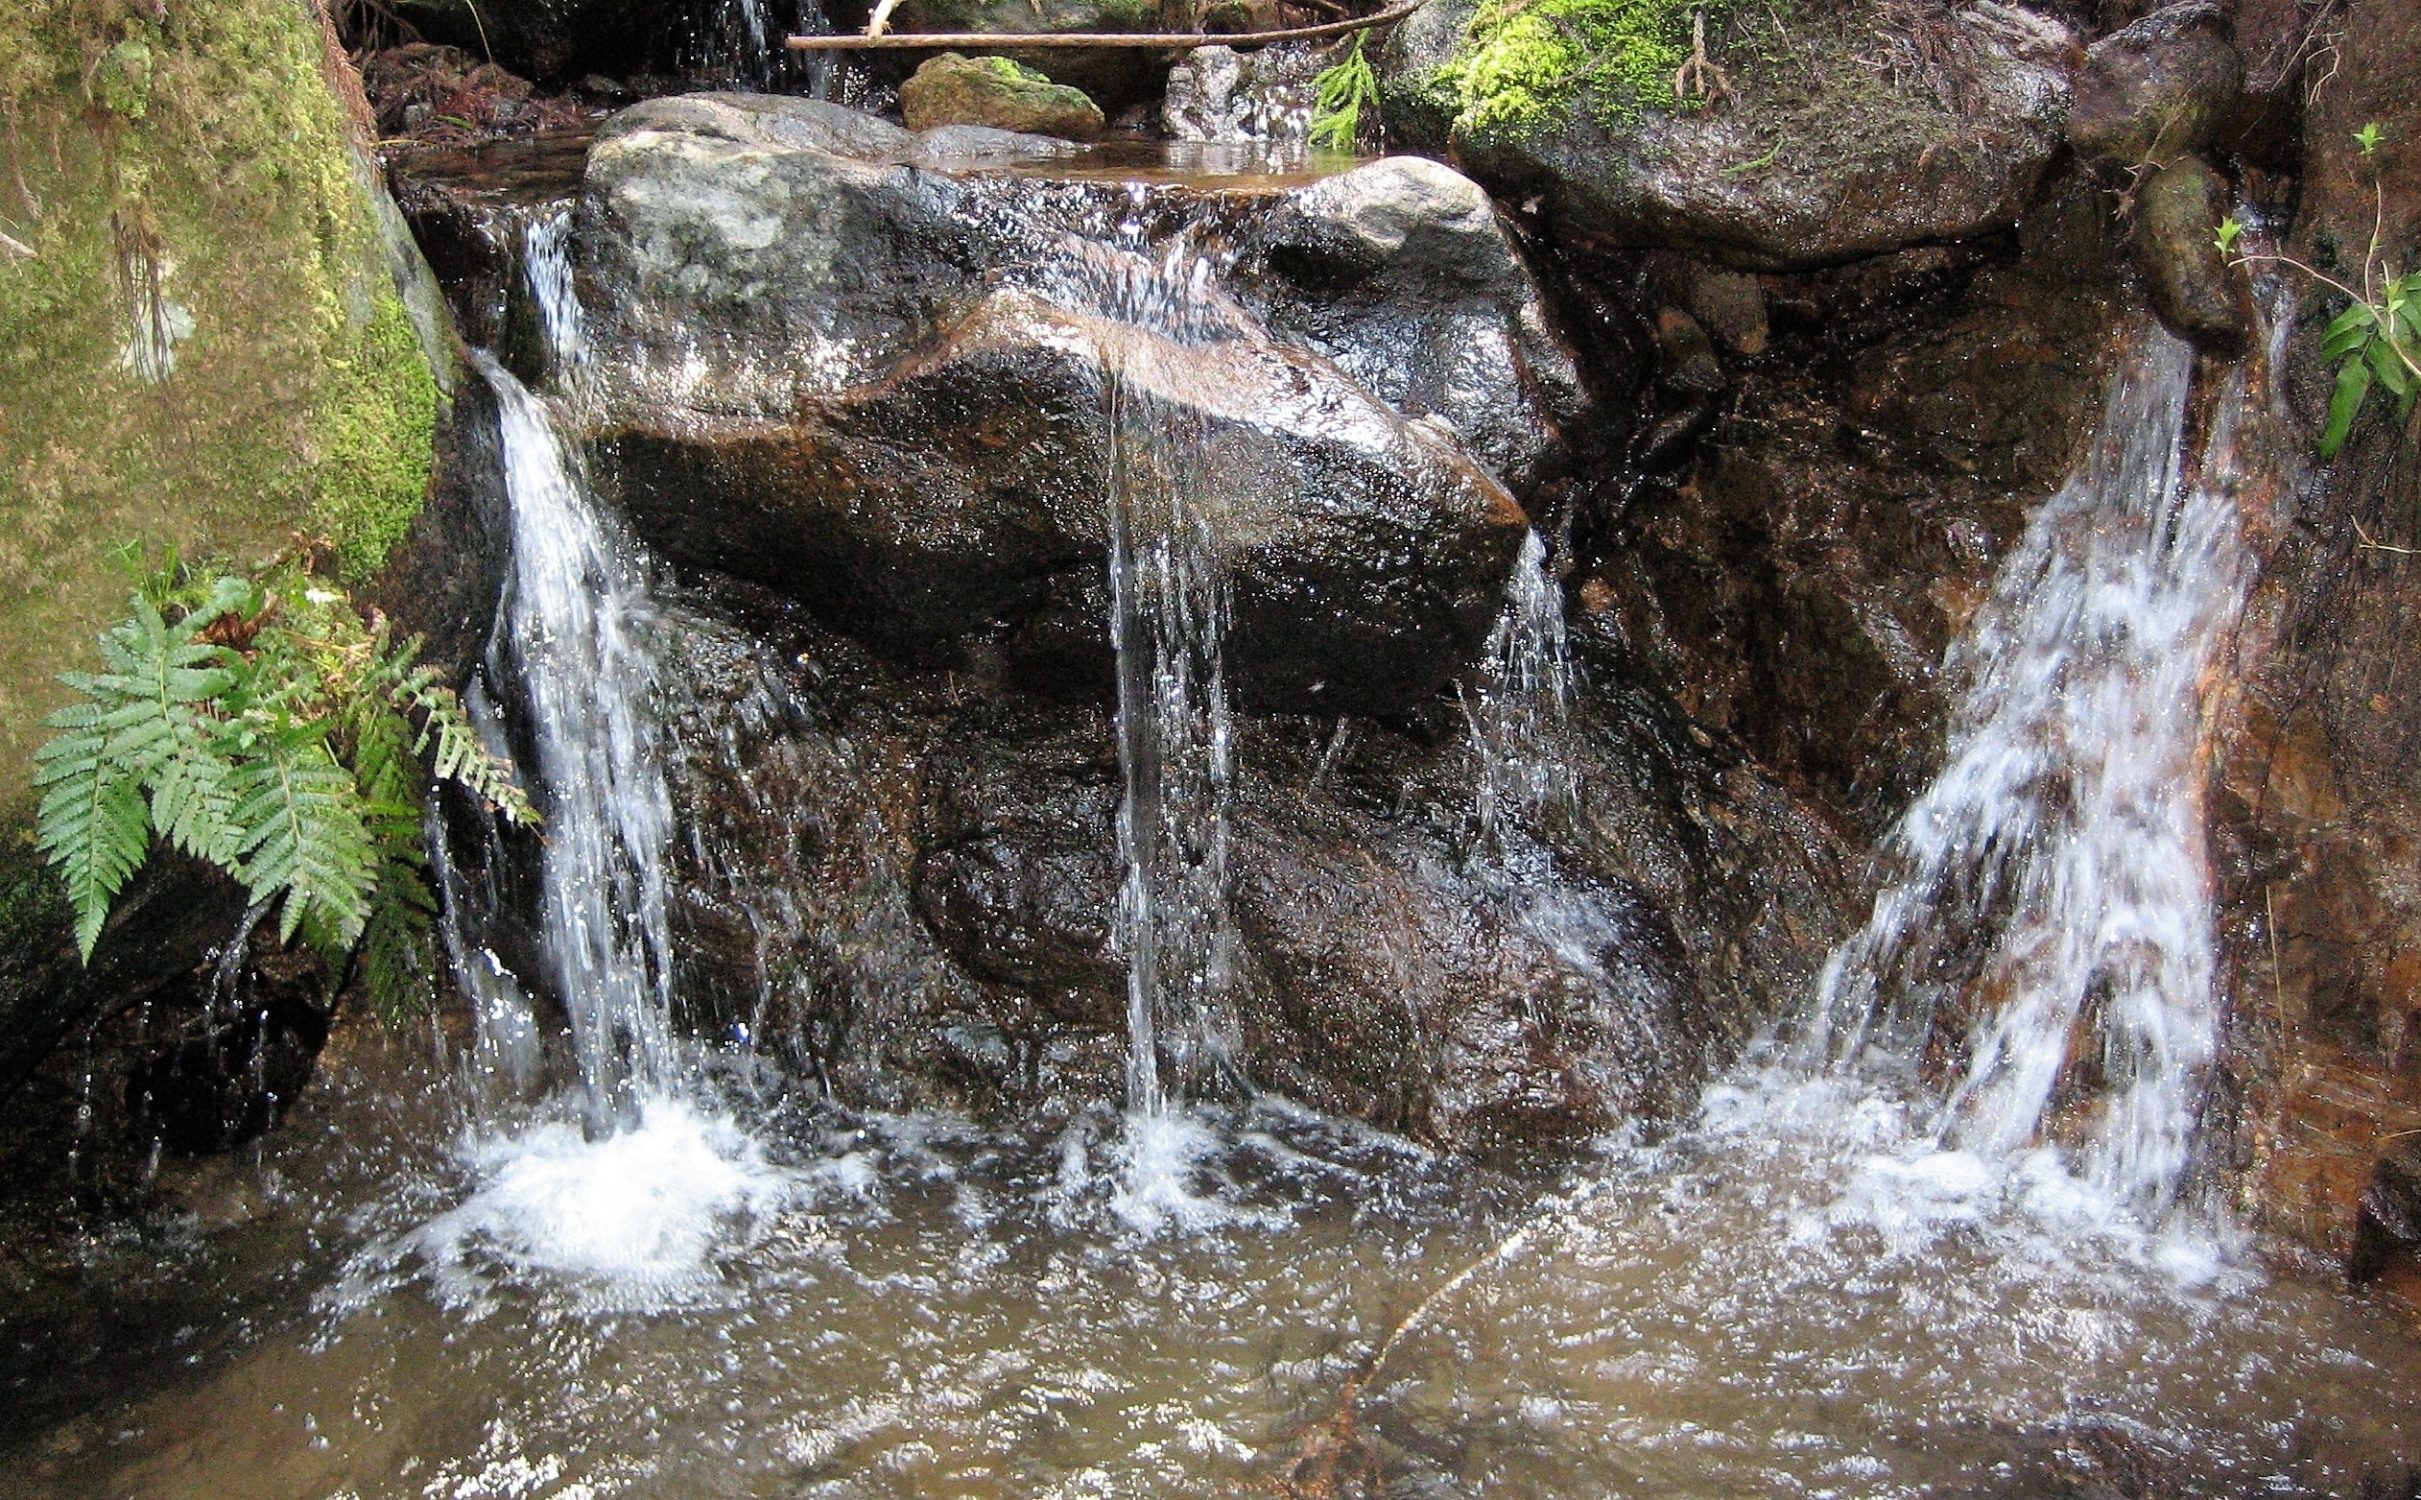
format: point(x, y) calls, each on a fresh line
point(628, 1195)
point(1521, 705)
point(2054, 875)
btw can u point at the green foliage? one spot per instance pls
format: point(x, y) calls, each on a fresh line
point(1340, 94)
point(2377, 341)
point(261, 726)
point(1520, 65)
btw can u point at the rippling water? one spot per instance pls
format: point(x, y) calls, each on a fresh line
point(1792, 1295)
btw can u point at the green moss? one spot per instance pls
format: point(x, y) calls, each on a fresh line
point(1519, 69)
point(376, 431)
point(204, 347)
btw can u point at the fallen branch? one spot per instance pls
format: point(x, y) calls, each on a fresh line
point(1164, 41)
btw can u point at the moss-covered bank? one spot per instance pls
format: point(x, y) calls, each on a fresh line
point(200, 340)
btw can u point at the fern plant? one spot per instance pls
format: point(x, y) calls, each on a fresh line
point(261, 725)
point(1339, 95)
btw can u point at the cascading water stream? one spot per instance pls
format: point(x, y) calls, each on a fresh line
point(1169, 614)
point(2053, 880)
point(629, 1199)
point(1520, 708)
point(573, 638)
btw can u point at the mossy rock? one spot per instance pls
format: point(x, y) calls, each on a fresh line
point(203, 339)
point(1787, 148)
point(1113, 77)
point(954, 89)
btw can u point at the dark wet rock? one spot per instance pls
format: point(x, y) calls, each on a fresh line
point(954, 89)
point(228, 1078)
point(2178, 211)
point(1264, 95)
point(2314, 801)
point(2158, 89)
point(2387, 1227)
point(1401, 273)
point(1366, 554)
point(1798, 578)
point(1813, 165)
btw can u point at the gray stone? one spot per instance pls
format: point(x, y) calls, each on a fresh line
point(1858, 171)
point(1218, 94)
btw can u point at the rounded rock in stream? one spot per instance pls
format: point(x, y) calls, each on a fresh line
point(887, 392)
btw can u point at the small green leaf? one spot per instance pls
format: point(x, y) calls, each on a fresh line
point(2230, 228)
point(2368, 138)
point(2353, 384)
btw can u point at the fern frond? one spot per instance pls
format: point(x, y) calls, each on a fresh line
point(193, 800)
point(160, 681)
point(398, 962)
point(92, 823)
point(305, 836)
point(463, 757)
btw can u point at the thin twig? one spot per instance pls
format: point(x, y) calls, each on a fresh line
point(1172, 41)
point(2362, 539)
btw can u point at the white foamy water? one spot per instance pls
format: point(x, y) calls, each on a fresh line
point(634, 1218)
point(2053, 881)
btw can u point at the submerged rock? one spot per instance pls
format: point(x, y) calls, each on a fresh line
point(954, 89)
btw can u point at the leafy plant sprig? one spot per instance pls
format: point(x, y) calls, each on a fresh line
point(1339, 95)
point(262, 726)
point(2377, 339)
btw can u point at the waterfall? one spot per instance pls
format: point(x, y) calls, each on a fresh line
point(629, 1197)
point(1521, 704)
point(574, 637)
point(2054, 878)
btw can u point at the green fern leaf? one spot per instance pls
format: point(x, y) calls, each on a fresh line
point(92, 823)
point(193, 801)
point(305, 837)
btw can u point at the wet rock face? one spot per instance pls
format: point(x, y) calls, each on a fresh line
point(1366, 555)
point(885, 391)
point(2158, 89)
point(2314, 799)
point(1796, 574)
point(1401, 272)
point(954, 89)
point(917, 873)
point(1864, 169)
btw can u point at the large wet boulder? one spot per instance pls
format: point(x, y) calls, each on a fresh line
point(1366, 554)
point(954, 89)
point(883, 388)
point(2158, 89)
point(1401, 272)
point(1809, 156)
